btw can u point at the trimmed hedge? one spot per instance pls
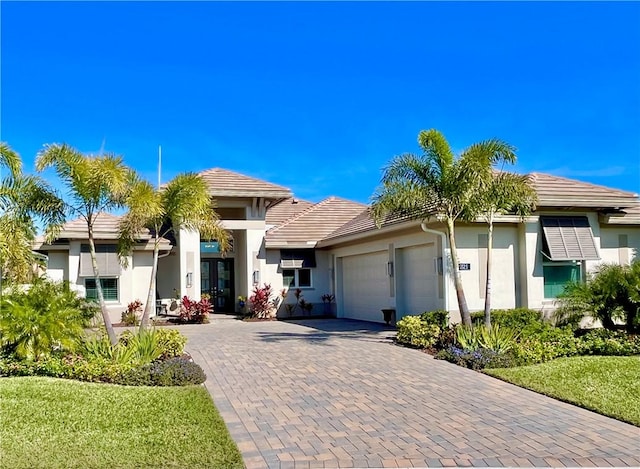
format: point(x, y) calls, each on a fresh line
point(176, 371)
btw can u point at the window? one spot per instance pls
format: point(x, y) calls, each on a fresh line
point(296, 278)
point(106, 258)
point(557, 276)
point(109, 288)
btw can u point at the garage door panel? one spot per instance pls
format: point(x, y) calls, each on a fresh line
point(417, 280)
point(365, 286)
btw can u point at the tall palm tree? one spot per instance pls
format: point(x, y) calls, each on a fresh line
point(182, 203)
point(23, 198)
point(502, 193)
point(437, 183)
point(95, 184)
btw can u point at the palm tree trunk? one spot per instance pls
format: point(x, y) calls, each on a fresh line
point(144, 322)
point(457, 281)
point(103, 306)
point(487, 292)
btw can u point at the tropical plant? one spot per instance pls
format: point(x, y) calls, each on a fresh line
point(23, 198)
point(611, 293)
point(194, 311)
point(94, 184)
point(184, 203)
point(99, 347)
point(39, 319)
point(499, 339)
point(501, 193)
point(129, 317)
point(438, 184)
point(261, 301)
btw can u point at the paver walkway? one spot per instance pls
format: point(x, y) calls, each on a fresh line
point(338, 393)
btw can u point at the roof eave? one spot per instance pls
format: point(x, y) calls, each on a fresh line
point(278, 244)
point(275, 195)
point(596, 203)
point(328, 242)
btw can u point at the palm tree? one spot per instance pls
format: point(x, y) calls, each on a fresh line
point(23, 198)
point(438, 183)
point(183, 203)
point(611, 293)
point(95, 184)
point(502, 193)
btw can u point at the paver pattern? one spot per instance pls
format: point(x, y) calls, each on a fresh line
point(339, 393)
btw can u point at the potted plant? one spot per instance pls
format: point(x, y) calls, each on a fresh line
point(327, 299)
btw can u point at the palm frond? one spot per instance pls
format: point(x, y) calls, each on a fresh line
point(10, 159)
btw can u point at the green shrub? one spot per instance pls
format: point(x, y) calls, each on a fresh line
point(69, 366)
point(171, 342)
point(607, 342)
point(35, 322)
point(546, 343)
point(414, 331)
point(516, 318)
point(439, 317)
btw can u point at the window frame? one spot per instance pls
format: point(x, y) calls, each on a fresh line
point(296, 278)
point(102, 279)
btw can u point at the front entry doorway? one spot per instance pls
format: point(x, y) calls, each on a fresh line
point(216, 280)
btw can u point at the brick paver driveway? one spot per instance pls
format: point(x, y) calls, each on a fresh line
point(338, 393)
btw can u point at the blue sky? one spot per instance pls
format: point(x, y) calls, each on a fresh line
point(319, 96)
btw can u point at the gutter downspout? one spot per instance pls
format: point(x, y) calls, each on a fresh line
point(445, 264)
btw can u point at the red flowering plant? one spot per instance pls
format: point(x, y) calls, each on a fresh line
point(192, 311)
point(263, 304)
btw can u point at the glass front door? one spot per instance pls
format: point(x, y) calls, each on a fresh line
point(216, 280)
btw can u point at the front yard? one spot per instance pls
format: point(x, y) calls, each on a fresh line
point(607, 385)
point(63, 423)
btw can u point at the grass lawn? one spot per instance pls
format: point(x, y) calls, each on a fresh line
point(607, 385)
point(57, 423)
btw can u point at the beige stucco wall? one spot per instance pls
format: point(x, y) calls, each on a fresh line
point(168, 277)
point(610, 249)
point(58, 266)
point(504, 284)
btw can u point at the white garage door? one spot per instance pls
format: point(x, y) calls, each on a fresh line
point(365, 285)
point(417, 280)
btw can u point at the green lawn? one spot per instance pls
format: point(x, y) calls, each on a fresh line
point(57, 423)
point(608, 385)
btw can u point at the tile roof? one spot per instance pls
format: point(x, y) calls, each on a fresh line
point(225, 183)
point(105, 227)
point(311, 225)
point(629, 216)
point(282, 211)
point(553, 191)
point(556, 191)
point(363, 223)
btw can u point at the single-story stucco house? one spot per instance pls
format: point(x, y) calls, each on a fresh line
point(333, 247)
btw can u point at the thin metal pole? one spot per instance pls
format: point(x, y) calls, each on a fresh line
point(159, 164)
